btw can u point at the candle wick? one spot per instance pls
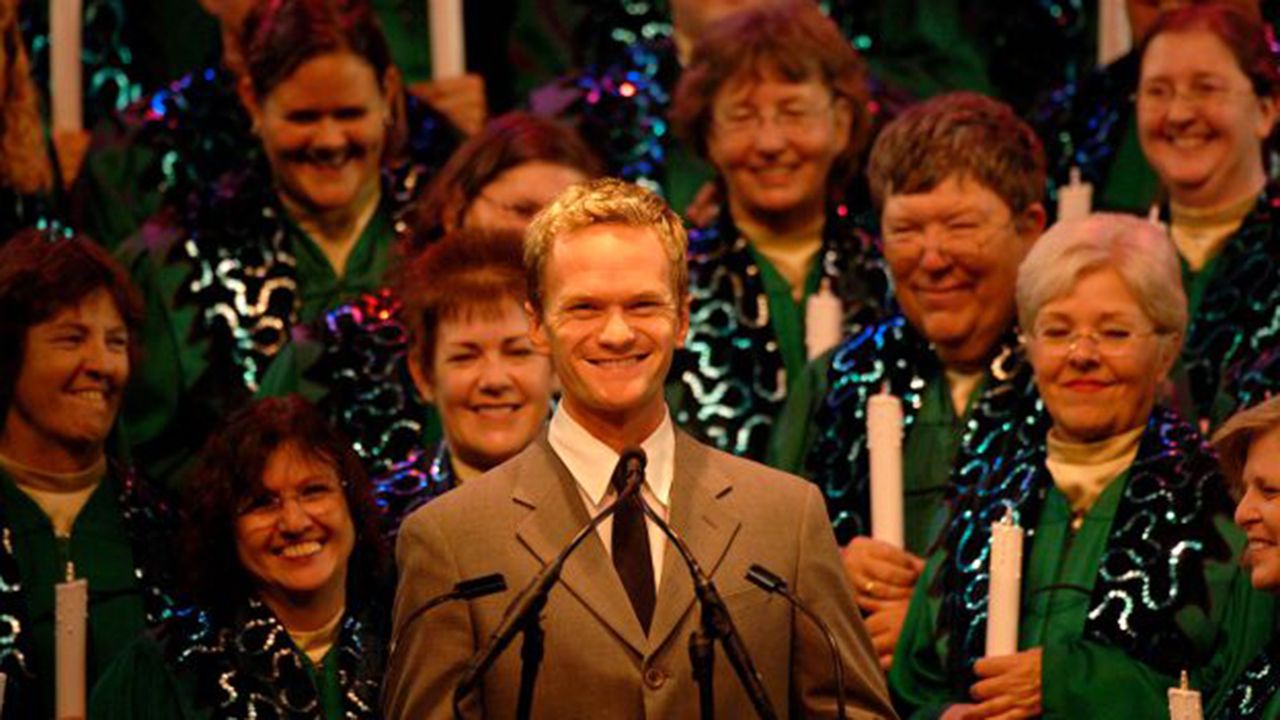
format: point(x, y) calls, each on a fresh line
point(71, 571)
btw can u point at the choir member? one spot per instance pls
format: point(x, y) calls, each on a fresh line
point(1129, 574)
point(1248, 446)
point(1207, 101)
point(958, 181)
point(281, 553)
point(311, 226)
point(70, 505)
point(775, 99)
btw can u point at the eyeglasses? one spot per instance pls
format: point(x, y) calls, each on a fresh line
point(957, 237)
point(1159, 94)
point(314, 498)
point(797, 119)
point(1059, 342)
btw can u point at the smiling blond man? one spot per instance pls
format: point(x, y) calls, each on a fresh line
point(608, 301)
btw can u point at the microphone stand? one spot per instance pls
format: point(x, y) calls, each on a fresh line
point(470, 589)
point(716, 625)
point(522, 615)
point(773, 584)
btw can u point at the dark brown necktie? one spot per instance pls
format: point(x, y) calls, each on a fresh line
point(631, 554)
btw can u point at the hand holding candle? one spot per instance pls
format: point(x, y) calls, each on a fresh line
point(1075, 200)
point(884, 442)
point(71, 614)
point(823, 321)
point(1004, 587)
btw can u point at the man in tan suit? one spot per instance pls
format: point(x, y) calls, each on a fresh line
point(608, 301)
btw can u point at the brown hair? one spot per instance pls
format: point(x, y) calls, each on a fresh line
point(278, 36)
point(960, 134)
point(606, 201)
point(1233, 439)
point(469, 271)
point(1242, 33)
point(229, 469)
point(788, 38)
point(506, 142)
point(24, 163)
point(42, 273)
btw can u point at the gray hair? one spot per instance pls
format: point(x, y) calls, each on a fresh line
point(1135, 248)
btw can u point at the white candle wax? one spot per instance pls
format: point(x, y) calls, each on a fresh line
point(71, 615)
point(1075, 200)
point(1184, 703)
point(884, 442)
point(1004, 588)
point(448, 43)
point(823, 321)
point(66, 90)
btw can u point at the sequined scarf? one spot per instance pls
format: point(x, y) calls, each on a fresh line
point(731, 369)
point(421, 476)
point(1258, 684)
point(148, 522)
point(1162, 533)
point(369, 393)
point(1238, 321)
point(250, 668)
point(106, 55)
point(893, 353)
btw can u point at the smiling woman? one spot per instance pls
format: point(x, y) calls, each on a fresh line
point(266, 250)
point(1208, 99)
point(776, 99)
point(1131, 560)
point(282, 555)
point(68, 317)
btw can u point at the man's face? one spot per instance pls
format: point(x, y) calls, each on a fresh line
point(954, 253)
point(611, 321)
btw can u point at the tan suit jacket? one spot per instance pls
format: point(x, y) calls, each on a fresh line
point(598, 662)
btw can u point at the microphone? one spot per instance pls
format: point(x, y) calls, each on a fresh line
point(469, 589)
point(716, 620)
point(524, 610)
point(774, 585)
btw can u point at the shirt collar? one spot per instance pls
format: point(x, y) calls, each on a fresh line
point(591, 462)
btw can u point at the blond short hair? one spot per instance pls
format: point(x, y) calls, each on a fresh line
point(1134, 247)
point(605, 201)
point(1233, 439)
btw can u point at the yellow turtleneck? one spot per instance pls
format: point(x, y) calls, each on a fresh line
point(962, 385)
point(60, 495)
point(1200, 234)
point(791, 254)
point(1082, 471)
point(315, 644)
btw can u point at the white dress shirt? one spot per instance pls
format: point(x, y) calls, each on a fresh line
point(591, 463)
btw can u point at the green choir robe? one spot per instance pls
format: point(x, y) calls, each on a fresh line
point(183, 367)
point(1081, 677)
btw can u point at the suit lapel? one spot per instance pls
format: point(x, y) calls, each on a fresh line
point(556, 513)
point(699, 515)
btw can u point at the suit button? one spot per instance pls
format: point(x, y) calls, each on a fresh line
point(654, 678)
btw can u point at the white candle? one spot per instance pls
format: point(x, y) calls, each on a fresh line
point(1114, 36)
point(1004, 588)
point(1184, 703)
point(884, 441)
point(64, 53)
point(1075, 200)
point(448, 43)
point(823, 321)
point(4, 683)
point(71, 615)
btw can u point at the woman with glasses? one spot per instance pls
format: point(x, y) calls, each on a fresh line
point(775, 99)
point(282, 557)
point(1248, 445)
point(1129, 574)
point(1207, 102)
